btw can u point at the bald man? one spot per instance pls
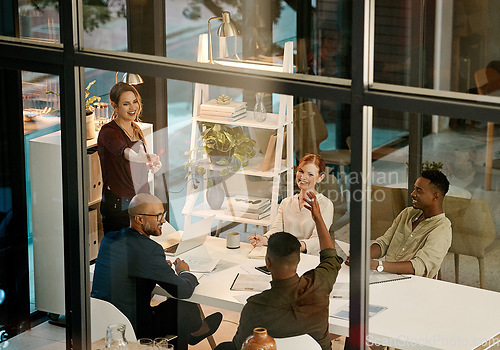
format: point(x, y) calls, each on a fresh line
point(129, 266)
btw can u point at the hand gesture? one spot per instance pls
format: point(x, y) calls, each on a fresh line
point(311, 203)
point(257, 241)
point(180, 265)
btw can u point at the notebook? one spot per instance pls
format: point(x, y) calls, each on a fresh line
point(193, 236)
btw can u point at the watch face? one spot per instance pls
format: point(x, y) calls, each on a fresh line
point(380, 268)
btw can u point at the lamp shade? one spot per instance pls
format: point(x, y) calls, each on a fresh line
point(227, 28)
point(132, 79)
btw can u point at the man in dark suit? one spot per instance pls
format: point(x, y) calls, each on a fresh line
point(129, 266)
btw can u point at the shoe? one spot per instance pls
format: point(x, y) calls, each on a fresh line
point(213, 322)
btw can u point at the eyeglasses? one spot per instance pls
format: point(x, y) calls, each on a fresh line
point(158, 216)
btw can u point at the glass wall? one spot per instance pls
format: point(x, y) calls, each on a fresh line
point(39, 20)
point(425, 44)
point(437, 45)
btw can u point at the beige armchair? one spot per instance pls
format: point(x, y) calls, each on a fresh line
point(473, 230)
point(386, 204)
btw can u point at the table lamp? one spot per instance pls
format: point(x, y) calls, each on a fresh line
point(130, 78)
point(226, 29)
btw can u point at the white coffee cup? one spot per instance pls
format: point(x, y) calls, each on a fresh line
point(233, 240)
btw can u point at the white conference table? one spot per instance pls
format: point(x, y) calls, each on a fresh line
point(421, 313)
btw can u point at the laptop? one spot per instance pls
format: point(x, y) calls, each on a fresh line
point(193, 236)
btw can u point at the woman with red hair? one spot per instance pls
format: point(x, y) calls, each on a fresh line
point(293, 217)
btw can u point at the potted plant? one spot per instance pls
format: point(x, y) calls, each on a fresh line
point(89, 109)
point(227, 147)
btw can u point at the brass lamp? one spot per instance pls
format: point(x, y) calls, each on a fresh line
point(226, 29)
point(130, 78)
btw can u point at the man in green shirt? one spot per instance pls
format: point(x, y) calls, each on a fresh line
point(294, 305)
point(420, 236)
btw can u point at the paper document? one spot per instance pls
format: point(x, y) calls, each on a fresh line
point(258, 252)
point(343, 312)
point(200, 264)
point(257, 283)
point(382, 277)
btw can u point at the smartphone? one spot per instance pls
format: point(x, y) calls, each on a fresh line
point(263, 269)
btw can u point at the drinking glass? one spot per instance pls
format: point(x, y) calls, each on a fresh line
point(146, 343)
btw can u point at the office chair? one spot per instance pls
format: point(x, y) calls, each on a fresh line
point(102, 314)
point(386, 204)
point(310, 130)
point(473, 230)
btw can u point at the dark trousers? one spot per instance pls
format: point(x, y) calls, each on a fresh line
point(114, 212)
point(175, 317)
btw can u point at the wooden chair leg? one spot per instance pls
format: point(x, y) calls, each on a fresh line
point(210, 338)
point(481, 272)
point(457, 257)
point(219, 228)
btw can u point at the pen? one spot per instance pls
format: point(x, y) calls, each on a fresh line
point(336, 296)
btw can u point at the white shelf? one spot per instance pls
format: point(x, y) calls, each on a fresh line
point(271, 121)
point(204, 210)
point(253, 167)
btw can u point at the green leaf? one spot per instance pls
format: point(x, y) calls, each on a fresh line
point(201, 171)
point(223, 172)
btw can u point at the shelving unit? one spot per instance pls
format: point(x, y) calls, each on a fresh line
point(46, 202)
point(281, 123)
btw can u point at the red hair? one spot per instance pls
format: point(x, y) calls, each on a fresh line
point(315, 159)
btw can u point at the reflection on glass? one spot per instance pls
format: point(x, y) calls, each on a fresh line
point(323, 47)
point(442, 45)
point(461, 150)
point(41, 123)
point(39, 20)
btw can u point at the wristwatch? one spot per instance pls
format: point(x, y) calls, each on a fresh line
point(380, 266)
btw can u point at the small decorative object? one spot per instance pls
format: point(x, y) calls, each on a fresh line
point(260, 340)
point(259, 111)
point(115, 337)
point(215, 193)
point(223, 99)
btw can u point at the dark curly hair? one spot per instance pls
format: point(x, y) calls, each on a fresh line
point(438, 179)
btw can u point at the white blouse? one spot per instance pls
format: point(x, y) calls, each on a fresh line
point(300, 222)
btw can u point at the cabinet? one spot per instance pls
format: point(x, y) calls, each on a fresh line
point(281, 124)
point(47, 209)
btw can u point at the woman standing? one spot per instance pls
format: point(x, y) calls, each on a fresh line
point(293, 217)
point(125, 162)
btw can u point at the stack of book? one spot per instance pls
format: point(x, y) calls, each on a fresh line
point(248, 207)
point(223, 113)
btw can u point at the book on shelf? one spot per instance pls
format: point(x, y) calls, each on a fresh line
point(217, 118)
point(232, 106)
point(247, 203)
point(248, 215)
point(223, 113)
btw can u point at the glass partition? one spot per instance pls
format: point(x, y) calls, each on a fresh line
point(429, 255)
point(39, 20)
point(197, 185)
point(320, 31)
point(42, 140)
point(449, 46)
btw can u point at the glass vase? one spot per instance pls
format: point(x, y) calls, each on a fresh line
point(259, 111)
point(115, 337)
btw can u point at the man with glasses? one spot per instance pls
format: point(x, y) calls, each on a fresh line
point(129, 266)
